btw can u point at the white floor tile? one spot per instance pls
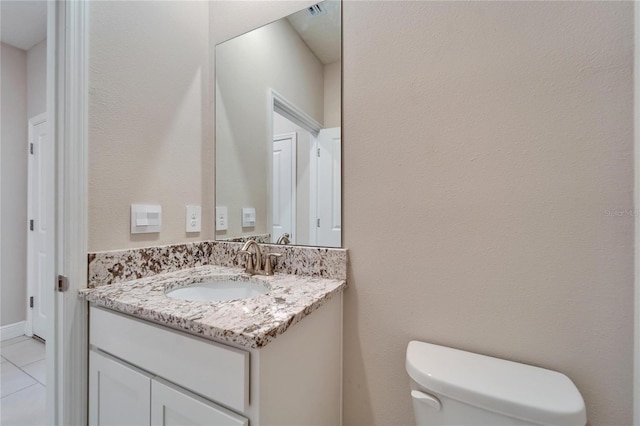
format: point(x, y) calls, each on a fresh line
point(12, 379)
point(10, 342)
point(26, 407)
point(37, 370)
point(23, 353)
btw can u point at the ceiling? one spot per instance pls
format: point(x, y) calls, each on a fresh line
point(321, 33)
point(23, 23)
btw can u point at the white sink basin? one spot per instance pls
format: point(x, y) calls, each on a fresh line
point(219, 290)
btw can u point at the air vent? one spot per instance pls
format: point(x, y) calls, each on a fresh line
point(317, 10)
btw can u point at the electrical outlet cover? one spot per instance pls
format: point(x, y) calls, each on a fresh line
point(193, 219)
point(222, 218)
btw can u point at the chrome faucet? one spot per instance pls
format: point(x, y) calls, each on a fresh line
point(257, 268)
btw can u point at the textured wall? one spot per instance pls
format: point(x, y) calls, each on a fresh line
point(332, 95)
point(486, 147)
point(149, 118)
point(230, 18)
point(13, 278)
point(37, 79)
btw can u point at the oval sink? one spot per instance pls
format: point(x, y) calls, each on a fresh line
point(219, 291)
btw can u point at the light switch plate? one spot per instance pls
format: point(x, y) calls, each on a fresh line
point(146, 218)
point(222, 218)
point(194, 219)
point(248, 217)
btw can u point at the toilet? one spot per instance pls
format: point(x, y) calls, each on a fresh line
point(454, 387)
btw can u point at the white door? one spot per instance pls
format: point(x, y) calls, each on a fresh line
point(41, 260)
point(329, 192)
point(173, 407)
point(284, 186)
point(119, 395)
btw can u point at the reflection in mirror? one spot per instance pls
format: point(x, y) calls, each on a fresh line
point(278, 131)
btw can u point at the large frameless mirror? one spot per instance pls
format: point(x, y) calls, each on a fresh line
point(278, 131)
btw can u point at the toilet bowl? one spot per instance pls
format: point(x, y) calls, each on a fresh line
point(454, 387)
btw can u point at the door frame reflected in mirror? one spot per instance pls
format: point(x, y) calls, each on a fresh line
point(280, 105)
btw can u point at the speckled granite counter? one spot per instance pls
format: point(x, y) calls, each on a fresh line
point(252, 323)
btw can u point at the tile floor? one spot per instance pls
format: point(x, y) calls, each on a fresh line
point(22, 382)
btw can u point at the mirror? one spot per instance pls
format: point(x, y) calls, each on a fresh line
point(278, 131)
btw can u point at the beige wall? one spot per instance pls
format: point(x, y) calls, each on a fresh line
point(231, 18)
point(13, 278)
point(332, 98)
point(486, 142)
point(148, 119)
point(271, 57)
point(150, 111)
point(37, 79)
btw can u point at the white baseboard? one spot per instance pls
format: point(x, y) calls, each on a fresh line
point(10, 331)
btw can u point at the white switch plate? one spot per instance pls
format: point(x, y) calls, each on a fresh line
point(194, 219)
point(222, 218)
point(146, 218)
point(248, 217)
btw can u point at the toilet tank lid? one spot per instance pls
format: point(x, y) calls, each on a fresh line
point(518, 390)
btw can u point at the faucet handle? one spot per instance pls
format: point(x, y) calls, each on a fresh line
point(268, 267)
point(249, 268)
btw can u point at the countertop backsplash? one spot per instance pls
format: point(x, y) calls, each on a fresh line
point(109, 267)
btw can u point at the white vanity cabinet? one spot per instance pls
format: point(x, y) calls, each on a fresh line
point(119, 394)
point(122, 395)
point(143, 373)
point(173, 407)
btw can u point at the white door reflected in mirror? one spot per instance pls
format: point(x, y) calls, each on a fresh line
point(283, 188)
point(329, 184)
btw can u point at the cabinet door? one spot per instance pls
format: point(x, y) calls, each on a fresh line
point(173, 406)
point(119, 394)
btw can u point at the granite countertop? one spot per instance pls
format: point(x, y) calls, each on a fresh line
point(252, 323)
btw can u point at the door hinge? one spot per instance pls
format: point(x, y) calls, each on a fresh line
point(318, 223)
point(31, 302)
point(63, 283)
point(31, 225)
point(31, 148)
point(318, 152)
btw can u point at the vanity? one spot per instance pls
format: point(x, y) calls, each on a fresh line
point(271, 359)
point(158, 354)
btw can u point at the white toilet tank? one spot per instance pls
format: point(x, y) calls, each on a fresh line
point(454, 387)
